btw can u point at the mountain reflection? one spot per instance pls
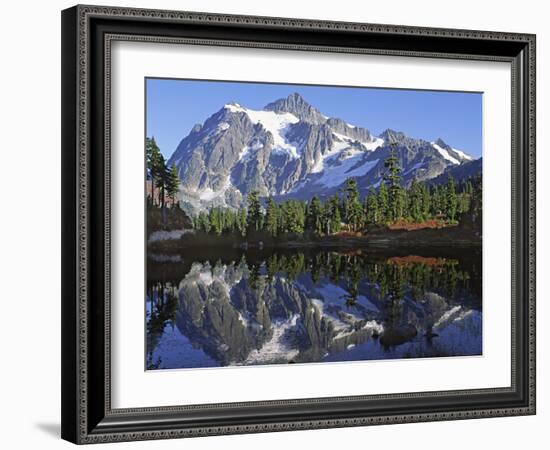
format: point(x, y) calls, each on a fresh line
point(297, 307)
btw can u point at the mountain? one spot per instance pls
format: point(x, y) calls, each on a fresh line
point(460, 172)
point(290, 149)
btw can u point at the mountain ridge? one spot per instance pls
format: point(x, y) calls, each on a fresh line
point(291, 149)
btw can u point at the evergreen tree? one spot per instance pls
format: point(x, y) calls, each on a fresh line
point(214, 218)
point(332, 220)
point(336, 222)
point(173, 183)
point(152, 155)
point(355, 214)
point(383, 203)
point(475, 210)
point(241, 221)
point(254, 218)
point(203, 222)
point(416, 210)
point(426, 201)
point(371, 207)
point(160, 177)
point(393, 179)
point(293, 217)
point(272, 217)
point(314, 219)
point(439, 200)
point(451, 199)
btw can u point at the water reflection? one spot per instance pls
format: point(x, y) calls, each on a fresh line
point(310, 306)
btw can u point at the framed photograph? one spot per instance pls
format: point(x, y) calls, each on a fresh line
point(281, 224)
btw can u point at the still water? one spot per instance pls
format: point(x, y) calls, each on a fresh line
point(228, 307)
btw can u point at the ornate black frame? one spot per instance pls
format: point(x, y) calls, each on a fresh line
point(87, 31)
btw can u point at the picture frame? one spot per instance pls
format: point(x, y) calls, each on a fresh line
point(87, 35)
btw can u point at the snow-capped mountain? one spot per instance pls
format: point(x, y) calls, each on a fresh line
point(291, 149)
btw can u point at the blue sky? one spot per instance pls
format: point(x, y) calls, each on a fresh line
point(174, 106)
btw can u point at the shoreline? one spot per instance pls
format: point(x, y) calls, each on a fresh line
point(451, 237)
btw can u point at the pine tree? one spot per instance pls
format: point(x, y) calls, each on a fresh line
point(383, 203)
point(241, 221)
point(451, 199)
point(439, 200)
point(371, 206)
point(415, 201)
point(203, 222)
point(426, 201)
point(160, 177)
point(254, 218)
point(215, 218)
point(332, 220)
point(355, 214)
point(475, 210)
point(314, 220)
point(152, 156)
point(173, 183)
point(393, 178)
point(272, 217)
point(336, 222)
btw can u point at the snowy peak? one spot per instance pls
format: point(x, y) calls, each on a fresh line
point(291, 149)
point(296, 105)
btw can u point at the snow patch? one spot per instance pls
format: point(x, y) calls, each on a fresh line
point(348, 157)
point(443, 152)
point(247, 149)
point(275, 123)
point(347, 141)
point(371, 146)
point(463, 155)
point(348, 168)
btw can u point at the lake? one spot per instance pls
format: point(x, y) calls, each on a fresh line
point(230, 307)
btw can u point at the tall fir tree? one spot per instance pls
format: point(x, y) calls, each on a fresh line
point(241, 221)
point(371, 207)
point(173, 183)
point(254, 217)
point(272, 217)
point(451, 199)
point(354, 210)
point(426, 201)
point(393, 179)
point(314, 220)
point(153, 162)
point(332, 220)
point(415, 207)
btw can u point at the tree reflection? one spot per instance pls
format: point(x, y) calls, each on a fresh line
point(304, 303)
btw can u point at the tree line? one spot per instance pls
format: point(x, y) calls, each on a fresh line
point(345, 211)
